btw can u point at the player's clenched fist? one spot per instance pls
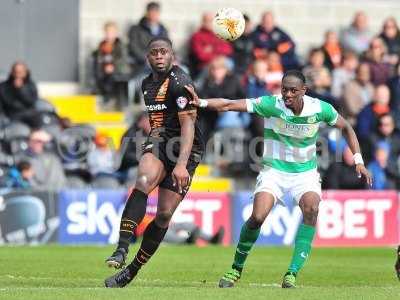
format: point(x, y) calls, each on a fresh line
point(180, 176)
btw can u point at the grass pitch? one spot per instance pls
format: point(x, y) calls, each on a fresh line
point(182, 272)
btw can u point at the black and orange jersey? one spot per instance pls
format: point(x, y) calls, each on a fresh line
point(165, 99)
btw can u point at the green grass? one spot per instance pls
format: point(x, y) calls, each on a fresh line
point(180, 272)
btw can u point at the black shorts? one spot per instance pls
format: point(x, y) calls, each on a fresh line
point(169, 158)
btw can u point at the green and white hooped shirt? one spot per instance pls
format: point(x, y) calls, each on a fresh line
point(290, 140)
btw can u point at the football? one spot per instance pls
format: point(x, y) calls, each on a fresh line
point(228, 24)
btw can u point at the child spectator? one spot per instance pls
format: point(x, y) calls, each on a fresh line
point(101, 160)
point(381, 180)
point(20, 176)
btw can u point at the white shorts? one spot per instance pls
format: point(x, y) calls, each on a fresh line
point(283, 185)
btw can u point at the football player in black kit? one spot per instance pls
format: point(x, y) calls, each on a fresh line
point(171, 154)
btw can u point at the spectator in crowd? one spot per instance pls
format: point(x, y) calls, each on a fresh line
point(317, 75)
point(381, 70)
point(391, 36)
point(269, 37)
point(205, 46)
point(357, 36)
point(367, 119)
point(332, 50)
point(131, 143)
point(386, 132)
point(111, 67)
point(47, 168)
point(357, 93)
point(243, 48)
point(382, 180)
point(140, 35)
point(18, 96)
point(256, 86)
point(344, 73)
point(255, 83)
point(220, 83)
point(275, 72)
point(101, 160)
point(342, 175)
point(19, 176)
point(394, 86)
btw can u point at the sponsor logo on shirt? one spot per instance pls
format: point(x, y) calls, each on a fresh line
point(295, 130)
point(156, 107)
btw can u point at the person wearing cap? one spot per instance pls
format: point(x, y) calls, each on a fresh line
point(47, 168)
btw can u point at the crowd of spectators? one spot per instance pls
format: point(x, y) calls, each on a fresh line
point(354, 69)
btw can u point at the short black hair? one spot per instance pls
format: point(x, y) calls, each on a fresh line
point(159, 38)
point(152, 5)
point(295, 73)
point(23, 165)
point(246, 17)
point(388, 114)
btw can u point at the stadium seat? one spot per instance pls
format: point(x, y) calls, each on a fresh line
point(105, 182)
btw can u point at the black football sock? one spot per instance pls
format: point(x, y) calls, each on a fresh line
point(152, 238)
point(132, 215)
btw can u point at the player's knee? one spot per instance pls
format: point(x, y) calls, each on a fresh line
point(144, 183)
point(311, 209)
point(310, 212)
point(163, 218)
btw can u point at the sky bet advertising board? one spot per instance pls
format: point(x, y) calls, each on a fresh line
point(346, 218)
point(90, 216)
point(93, 216)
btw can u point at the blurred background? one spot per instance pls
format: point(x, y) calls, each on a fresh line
point(72, 116)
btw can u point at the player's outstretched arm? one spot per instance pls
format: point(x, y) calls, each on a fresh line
point(218, 104)
point(352, 141)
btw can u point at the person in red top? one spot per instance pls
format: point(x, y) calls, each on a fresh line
point(205, 45)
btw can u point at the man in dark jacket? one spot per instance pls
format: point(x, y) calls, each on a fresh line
point(243, 49)
point(269, 37)
point(140, 35)
point(220, 83)
point(386, 132)
point(18, 95)
point(367, 119)
point(341, 175)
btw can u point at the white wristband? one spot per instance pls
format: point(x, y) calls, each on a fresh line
point(358, 159)
point(203, 103)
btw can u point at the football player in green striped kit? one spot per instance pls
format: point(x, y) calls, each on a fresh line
point(289, 164)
